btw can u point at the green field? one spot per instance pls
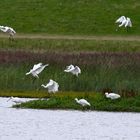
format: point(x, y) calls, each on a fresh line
point(81, 17)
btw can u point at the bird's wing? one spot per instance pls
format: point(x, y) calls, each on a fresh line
point(36, 66)
point(12, 30)
point(4, 29)
point(76, 70)
point(40, 69)
point(123, 23)
point(126, 23)
point(54, 87)
point(51, 82)
point(70, 66)
point(130, 23)
point(120, 19)
point(69, 69)
point(83, 101)
point(113, 94)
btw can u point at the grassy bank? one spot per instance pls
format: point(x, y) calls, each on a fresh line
point(63, 45)
point(97, 101)
point(83, 17)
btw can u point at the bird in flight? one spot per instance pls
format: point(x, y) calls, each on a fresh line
point(52, 86)
point(74, 70)
point(37, 68)
point(8, 30)
point(124, 21)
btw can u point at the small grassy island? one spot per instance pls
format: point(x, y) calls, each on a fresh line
point(98, 102)
point(60, 33)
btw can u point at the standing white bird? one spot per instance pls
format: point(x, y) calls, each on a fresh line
point(74, 70)
point(8, 30)
point(82, 102)
point(16, 100)
point(112, 95)
point(52, 86)
point(37, 68)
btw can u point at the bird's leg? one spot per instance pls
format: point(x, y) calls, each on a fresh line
point(33, 80)
point(11, 38)
point(50, 95)
point(83, 108)
point(127, 29)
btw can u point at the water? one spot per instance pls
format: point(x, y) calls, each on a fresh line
point(28, 124)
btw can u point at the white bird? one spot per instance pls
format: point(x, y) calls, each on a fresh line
point(8, 30)
point(37, 68)
point(82, 102)
point(74, 70)
point(112, 95)
point(52, 86)
point(16, 100)
point(125, 21)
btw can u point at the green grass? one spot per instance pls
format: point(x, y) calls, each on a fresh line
point(97, 101)
point(84, 17)
point(54, 45)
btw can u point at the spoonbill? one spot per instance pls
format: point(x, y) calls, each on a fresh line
point(16, 100)
point(37, 68)
point(82, 102)
point(8, 30)
point(112, 96)
point(124, 21)
point(52, 86)
point(74, 70)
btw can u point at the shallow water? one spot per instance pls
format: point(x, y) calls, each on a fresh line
point(28, 124)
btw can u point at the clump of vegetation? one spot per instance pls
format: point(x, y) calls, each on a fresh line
point(98, 102)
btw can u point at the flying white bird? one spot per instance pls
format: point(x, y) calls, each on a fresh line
point(82, 102)
point(16, 100)
point(124, 21)
point(37, 68)
point(8, 30)
point(112, 95)
point(52, 86)
point(74, 70)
